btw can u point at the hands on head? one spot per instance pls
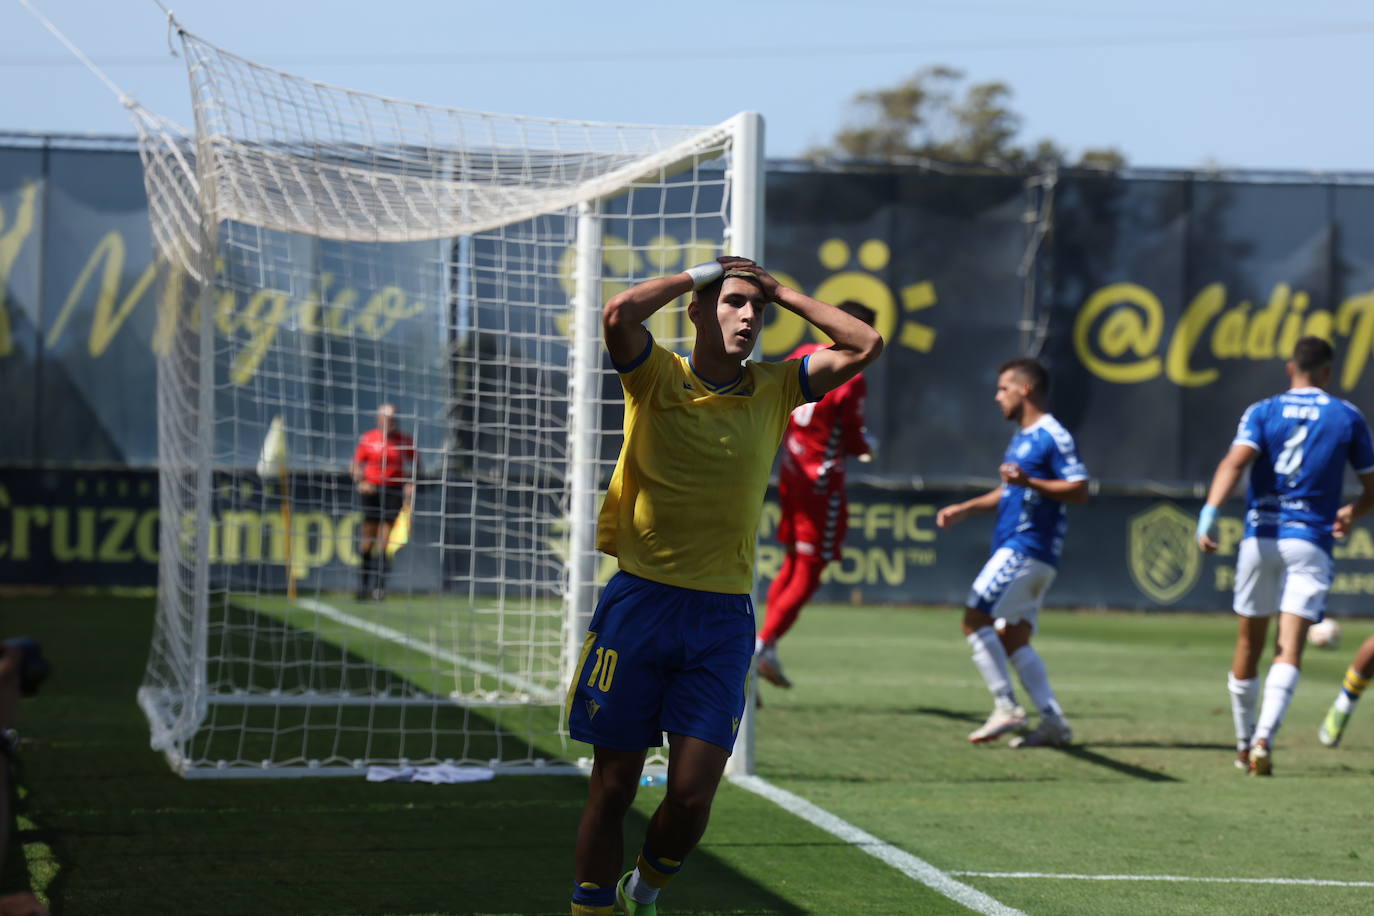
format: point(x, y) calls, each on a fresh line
point(766, 280)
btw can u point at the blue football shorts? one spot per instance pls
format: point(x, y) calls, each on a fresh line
point(660, 658)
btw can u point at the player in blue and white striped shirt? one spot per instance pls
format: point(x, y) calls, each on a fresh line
point(1040, 474)
point(1297, 445)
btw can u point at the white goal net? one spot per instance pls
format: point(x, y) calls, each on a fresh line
point(333, 251)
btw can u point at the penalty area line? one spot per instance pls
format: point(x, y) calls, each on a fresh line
point(424, 648)
point(1304, 882)
point(913, 867)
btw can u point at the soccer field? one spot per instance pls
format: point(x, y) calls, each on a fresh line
point(872, 735)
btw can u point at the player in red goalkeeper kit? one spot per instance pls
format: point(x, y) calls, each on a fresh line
point(815, 514)
point(384, 469)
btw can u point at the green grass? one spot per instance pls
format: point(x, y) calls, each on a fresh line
point(873, 732)
point(522, 641)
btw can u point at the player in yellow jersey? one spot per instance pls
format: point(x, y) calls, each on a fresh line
point(669, 646)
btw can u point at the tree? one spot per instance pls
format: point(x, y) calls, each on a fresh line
point(927, 116)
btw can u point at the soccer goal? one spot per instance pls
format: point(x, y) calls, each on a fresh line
point(332, 251)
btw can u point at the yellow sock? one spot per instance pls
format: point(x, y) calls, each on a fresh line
point(591, 899)
point(657, 871)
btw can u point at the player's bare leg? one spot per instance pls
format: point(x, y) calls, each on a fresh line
point(601, 833)
point(990, 658)
point(694, 771)
point(1250, 636)
point(1279, 685)
point(1357, 678)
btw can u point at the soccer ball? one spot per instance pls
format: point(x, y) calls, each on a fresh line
point(1324, 635)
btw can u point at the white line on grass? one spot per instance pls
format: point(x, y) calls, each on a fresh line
point(1306, 882)
point(424, 648)
point(904, 862)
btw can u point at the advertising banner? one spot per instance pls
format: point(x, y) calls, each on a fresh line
point(1173, 305)
point(1164, 305)
point(21, 349)
point(100, 528)
point(937, 258)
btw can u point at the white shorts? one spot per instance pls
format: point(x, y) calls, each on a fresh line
point(1011, 586)
point(1288, 575)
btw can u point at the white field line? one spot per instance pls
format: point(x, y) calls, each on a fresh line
point(1305, 882)
point(424, 648)
point(909, 865)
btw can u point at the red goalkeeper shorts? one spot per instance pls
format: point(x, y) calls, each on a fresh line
point(813, 524)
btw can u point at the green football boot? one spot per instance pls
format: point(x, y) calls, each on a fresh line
point(1333, 726)
point(628, 904)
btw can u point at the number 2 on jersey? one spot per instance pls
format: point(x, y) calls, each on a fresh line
point(605, 667)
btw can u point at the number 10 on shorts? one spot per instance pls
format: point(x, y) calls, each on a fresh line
point(603, 672)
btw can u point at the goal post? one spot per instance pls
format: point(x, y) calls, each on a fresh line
point(329, 251)
point(745, 238)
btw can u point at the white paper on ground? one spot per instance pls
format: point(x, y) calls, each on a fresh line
point(438, 774)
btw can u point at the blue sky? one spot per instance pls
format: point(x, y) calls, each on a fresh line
point(1260, 84)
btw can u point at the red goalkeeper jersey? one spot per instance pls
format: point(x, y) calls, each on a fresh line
point(385, 462)
point(820, 435)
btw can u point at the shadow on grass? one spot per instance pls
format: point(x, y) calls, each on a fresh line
point(131, 837)
point(1082, 752)
point(1167, 745)
point(951, 714)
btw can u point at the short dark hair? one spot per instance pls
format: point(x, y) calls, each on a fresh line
point(710, 293)
point(1030, 370)
point(1312, 354)
point(858, 310)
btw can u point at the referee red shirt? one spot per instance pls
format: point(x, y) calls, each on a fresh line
point(386, 462)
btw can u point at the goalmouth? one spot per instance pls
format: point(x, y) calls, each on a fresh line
point(336, 250)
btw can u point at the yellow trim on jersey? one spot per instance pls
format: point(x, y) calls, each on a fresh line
point(587, 645)
point(684, 502)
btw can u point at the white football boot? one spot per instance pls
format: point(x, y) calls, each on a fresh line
point(1049, 733)
point(770, 667)
point(1005, 718)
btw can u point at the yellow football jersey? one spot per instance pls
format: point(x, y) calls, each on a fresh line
point(684, 502)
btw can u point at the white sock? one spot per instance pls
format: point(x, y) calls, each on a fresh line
point(991, 660)
point(1345, 702)
point(1279, 685)
point(640, 891)
point(1030, 667)
point(758, 644)
point(1244, 693)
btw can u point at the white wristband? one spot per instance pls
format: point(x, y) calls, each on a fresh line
point(705, 274)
